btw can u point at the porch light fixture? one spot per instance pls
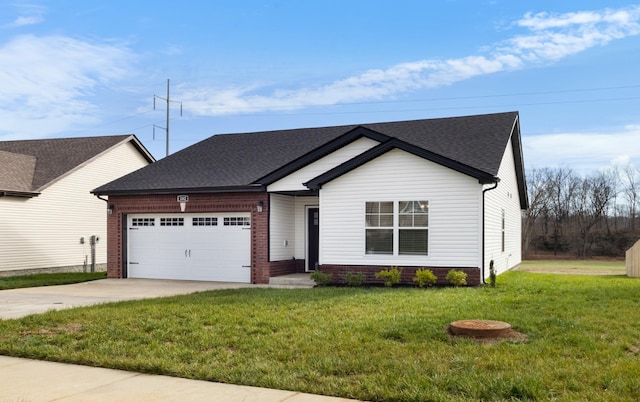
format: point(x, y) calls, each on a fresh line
point(260, 205)
point(110, 208)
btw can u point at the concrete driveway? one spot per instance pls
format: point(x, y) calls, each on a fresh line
point(16, 303)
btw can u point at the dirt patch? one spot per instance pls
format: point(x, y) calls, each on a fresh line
point(572, 271)
point(65, 329)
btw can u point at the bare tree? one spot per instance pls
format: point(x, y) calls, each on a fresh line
point(562, 186)
point(590, 204)
point(594, 214)
point(537, 188)
point(630, 189)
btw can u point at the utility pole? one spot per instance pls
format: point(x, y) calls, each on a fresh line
point(168, 101)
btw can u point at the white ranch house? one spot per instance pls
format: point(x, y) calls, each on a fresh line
point(436, 193)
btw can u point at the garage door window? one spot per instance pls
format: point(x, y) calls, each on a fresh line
point(205, 221)
point(171, 221)
point(237, 221)
point(143, 222)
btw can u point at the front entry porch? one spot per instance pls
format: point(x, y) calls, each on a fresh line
point(299, 280)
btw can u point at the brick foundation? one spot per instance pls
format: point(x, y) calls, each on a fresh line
point(223, 202)
point(369, 271)
point(286, 267)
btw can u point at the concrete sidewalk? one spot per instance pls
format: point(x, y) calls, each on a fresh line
point(24, 380)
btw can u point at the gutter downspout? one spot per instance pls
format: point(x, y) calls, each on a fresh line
point(483, 230)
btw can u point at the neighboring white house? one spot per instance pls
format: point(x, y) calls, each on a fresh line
point(49, 220)
point(437, 193)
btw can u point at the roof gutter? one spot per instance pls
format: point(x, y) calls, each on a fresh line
point(495, 185)
point(21, 194)
point(190, 190)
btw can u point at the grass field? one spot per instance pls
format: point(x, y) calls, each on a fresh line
point(29, 281)
point(380, 344)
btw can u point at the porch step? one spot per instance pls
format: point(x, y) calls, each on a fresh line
point(293, 280)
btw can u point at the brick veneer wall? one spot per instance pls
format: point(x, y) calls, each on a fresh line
point(285, 267)
point(222, 202)
point(369, 271)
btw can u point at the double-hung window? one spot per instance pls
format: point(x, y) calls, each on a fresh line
point(413, 227)
point(379, 227)
point(397, 227)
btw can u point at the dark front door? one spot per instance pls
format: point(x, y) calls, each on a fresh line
point(313, 238)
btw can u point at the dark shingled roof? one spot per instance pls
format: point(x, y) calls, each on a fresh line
point(16, 172)
point(28, 166)
point(248, 161)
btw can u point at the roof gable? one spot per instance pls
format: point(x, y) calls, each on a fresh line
point(381, 149)
point(320, 152)
point(33, 165)
point(492, 160)
point(477, 141)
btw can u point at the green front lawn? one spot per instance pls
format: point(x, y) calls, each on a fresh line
point(65, 278)
point(391, 344)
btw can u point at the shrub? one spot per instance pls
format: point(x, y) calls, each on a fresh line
point(390, 276)
point(425, 277)
point(456, 278)
point(353, 279)
point(492, 275)
point(321, 278)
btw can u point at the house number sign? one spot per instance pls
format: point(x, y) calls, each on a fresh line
point(183, 198)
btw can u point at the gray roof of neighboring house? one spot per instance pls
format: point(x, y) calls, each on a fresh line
point(29, 166)
point(227, 162)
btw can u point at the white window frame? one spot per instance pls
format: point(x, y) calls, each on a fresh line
point(396, 228)
point(379, 215)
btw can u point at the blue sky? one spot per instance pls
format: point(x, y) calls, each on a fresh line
point(77, 68)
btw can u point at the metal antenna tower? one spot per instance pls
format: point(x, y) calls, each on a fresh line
point(168, 101)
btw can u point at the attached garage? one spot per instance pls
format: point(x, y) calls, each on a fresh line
point(201, 247)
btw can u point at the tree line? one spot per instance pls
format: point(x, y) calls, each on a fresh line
point(584, 216)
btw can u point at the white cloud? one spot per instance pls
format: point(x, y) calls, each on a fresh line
point(583, 152)
point(550, 37)
point(31, 14)
point(47, 81)
point(562, 35)
point(22, 21)
point(546, 20)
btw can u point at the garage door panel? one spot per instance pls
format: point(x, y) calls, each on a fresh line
point(212, 247)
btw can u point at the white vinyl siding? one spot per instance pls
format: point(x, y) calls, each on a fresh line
point(282, 228)
point(293, 182)
point(288, 222)
point(454, 207)
point(504, 198)
point(45, 231)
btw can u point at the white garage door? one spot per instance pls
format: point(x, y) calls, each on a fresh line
point(201, 247)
